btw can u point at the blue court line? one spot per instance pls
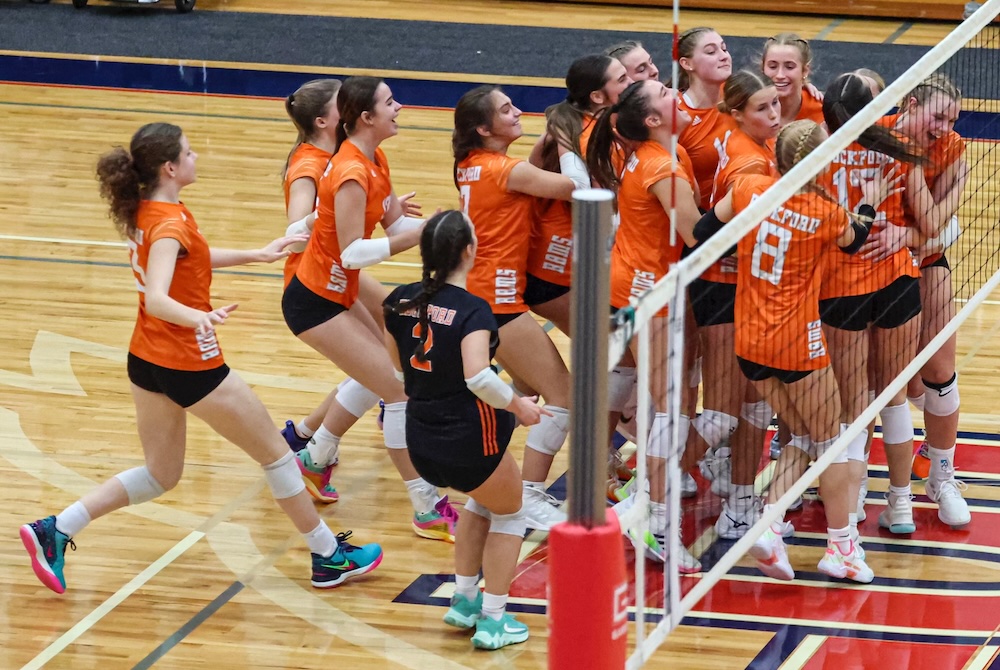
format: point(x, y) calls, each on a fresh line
point(185, 630)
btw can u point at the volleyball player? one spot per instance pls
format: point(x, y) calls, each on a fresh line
point(321, 305)
point(499, 192)
point(459, 420)
point(176, 366)
point(643, 251)
point(788, 61)
point(637, 61)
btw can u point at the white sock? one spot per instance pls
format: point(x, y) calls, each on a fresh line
point(73, 519)
point(535, 485)
point(741, 498)
point(657, 518)
point(897, 491)
point(776, 527)
point(303, 430)
point(842, 538)
point(942, 463)
point(324, 447)
point(852, 523)
point(494, 606)
point(423, 496)
point(321, 540)
point(467, 586)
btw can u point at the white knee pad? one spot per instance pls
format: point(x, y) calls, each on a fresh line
point(917, 401)
point(714, 426)
point(757, 414)
point(897, 424)
point(355, 398)
point(509, 524)
point(820, 448)
point(394, 425)
point(472, 506)
point(803, 443)
point(284, 478)
point(856, 448)
point(548, 435)
point(621, 381)
point(942, 399)
point(141, 486)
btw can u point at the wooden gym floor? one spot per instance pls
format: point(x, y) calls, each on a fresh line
point(213, 575)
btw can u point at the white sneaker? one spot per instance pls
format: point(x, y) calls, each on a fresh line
point(733, 525)
point(898, 515)
point(771, 556)
point(689, 487)
point(850, 566)
point(952, 508)
point(717, 467)
point(862, 496)
point(541, 511)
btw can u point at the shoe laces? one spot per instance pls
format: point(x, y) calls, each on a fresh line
point(545, 496)
point(446, 511)
point(951, 488)
point(342, 541)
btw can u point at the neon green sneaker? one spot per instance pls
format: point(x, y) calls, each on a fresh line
point(464, 613)
point(492, 634)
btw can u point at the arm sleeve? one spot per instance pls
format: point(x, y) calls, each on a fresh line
point(572, 166)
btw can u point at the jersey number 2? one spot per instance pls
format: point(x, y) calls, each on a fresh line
point(416, 363)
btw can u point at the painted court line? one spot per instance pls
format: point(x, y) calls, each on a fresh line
point(982, 658)
point(805, 651)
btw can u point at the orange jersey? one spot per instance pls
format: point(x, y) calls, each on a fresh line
point(811, 109)
point(777, 295)
point(643, 252)
point(701, 140)
point(157, 341)
point(739, 156)
point(848, 275)
point(504, 221)
point(320, 269)
point(306, 162)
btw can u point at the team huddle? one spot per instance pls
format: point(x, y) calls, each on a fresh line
point(848, 278)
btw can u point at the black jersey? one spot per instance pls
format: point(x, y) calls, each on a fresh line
point(452, 314)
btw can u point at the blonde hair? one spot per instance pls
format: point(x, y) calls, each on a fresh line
point(936, 83)
point(790, 40)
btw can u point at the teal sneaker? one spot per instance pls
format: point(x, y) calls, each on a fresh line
point(439, 523)
point(47, 548)
point(346, 562)
point(491, 634)
point(464, 613)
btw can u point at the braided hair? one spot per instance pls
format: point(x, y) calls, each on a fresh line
point(445, 236)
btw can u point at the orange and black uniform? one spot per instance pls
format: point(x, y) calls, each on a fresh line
point(165, 357)
point(306, 162)
point(811, 109)
point(701, 140)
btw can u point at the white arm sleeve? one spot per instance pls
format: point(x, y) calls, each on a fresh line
point(303, 226)
point(402, 225)
point(490, 388)
point(572, 166)
point(362, 253)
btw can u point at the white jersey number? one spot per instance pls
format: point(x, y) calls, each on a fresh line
point(775, 251)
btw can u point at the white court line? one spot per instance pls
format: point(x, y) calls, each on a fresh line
point(116, 599)
point(805, 651)
point(121, 245)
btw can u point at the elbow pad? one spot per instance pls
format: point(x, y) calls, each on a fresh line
point(860, 235)
point(572, 166)
point(490, 388)
point(362, 253)
point(707, 226)
point(403, 224)
point(303, 226)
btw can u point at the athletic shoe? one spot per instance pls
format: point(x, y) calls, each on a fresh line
point(317, 479)
point(717, 467)
point(898, 515)
point(845, 566)
point(492, 634)
point(464, 613)
point(689, 487)
point(733, 525)
point(381, 413)
point(347, 561)
point(862, 497)
point(618, 468)
point(952, 508)
point(47, 548)
point(775, 447)
point(438, 524)
point(541, 511)
point(771, 556)
point(295, 443)
point(796, 505)
point(921, 467)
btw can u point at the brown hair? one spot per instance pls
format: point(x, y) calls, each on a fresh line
point(564, 120)
point(873, 75)
point(474, 109)
point(357, 96)
point(789, 40)
point(687, 42)
point(127, 176)
point(936, 83)
point(305, 105)
point(626, 119)
point(740, 87)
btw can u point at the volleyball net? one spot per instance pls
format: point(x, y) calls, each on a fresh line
point(663, 596)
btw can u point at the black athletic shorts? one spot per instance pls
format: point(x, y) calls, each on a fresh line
point(304, 310)
point(504, 319)
point(538, 291)
point(456, 443)
point(889, 307)
point(713, 303)
point(756, 372)
point(184, 387)
point(940, 262)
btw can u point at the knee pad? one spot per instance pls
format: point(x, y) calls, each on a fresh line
point(917, 401)
point(509, 524)
point(475, 508)
point(394, 425)
point(141, 486)
point(757, 414)
point(856, 447)
point(284, 478)
point(621, 381)
point(897, 424)
point(803, 443)
point(820, 448)
point(548, 435)
point(355, 398)
point(714, 426)
point(659, 436)
point(941, 399)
